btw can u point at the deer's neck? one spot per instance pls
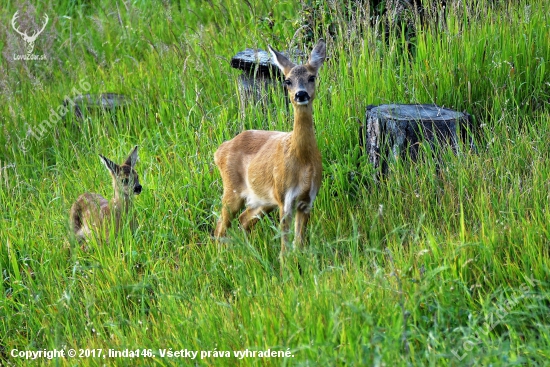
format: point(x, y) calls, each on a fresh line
point(121, 202)
point(303, 142)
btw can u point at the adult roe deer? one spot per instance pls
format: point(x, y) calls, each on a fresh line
point(268, 169)
point(92, 213)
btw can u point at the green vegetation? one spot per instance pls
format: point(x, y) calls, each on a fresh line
point(445, 269)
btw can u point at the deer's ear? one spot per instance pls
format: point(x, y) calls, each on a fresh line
point(318, 55)
point(132, 157)
point(111, 166)
point(282, 62)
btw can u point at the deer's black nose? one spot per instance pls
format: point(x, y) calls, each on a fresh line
point(301, 97)
point(137, 189)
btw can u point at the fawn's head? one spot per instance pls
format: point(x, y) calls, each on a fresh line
point(300, 79)
point(125, 177)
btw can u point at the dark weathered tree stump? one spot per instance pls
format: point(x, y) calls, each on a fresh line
point(396, 131)
point(95, 102)
point(259, 75)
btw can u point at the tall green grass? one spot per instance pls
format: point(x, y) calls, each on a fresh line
point(432, 266)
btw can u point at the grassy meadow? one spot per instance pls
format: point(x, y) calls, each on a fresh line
point(428, 267)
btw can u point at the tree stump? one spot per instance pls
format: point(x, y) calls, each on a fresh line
point(259, 75)
point(395, 131)
point(95, 102)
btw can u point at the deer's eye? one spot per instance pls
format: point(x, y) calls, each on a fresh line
point(125, 181)
point(311, 79)
point(287, 82)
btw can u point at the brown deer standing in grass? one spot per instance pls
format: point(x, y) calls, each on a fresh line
point(268, 169)
point(92, 213)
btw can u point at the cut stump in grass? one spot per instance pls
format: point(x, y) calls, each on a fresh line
point(95, 102)
point(395, 131)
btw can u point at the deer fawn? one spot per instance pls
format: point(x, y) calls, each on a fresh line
point(92, 213)
point(268, 169)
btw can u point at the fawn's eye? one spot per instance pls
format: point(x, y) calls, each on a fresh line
point(125, 181)
point(311, 79)
point(287, 82)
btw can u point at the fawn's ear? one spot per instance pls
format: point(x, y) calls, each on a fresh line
point(111, 166)
point(132, 158)
point(282, 62)
point(318, 55)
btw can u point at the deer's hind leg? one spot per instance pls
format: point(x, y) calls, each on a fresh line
point(231, 204)
point(300, 225)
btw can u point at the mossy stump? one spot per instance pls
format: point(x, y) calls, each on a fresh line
point(90, 103)
point(396, 131)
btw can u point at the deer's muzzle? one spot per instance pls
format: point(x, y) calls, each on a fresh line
point(302, 97)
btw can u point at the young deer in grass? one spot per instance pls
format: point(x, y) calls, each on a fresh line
point(268, 169)
point(92, 213)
